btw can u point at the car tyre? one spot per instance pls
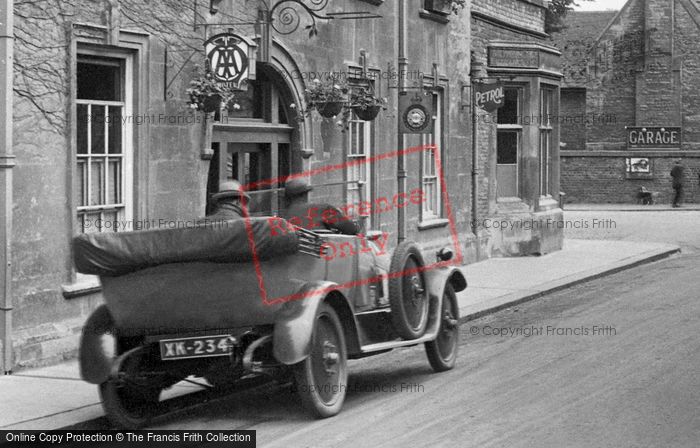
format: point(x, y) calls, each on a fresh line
point(321, 379)
point(129, 402)
point(408, 292)
point(442, 352)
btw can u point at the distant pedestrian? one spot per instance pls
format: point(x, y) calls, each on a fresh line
point(677, 175)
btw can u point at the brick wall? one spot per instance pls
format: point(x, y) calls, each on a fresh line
point(603, 180)
point(523, 13)
point(573, 123)
point(645, 70)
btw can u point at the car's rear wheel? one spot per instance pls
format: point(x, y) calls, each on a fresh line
point(442, 352)
point(321, 379)
point(129, 399)
point(408, 293)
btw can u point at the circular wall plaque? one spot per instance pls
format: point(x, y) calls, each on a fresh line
point(416, 118)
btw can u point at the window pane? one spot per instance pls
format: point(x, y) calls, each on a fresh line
point(97, 122)
point(92, 222)
point(282, 112)
point(99, 82)
point(79, 224)
point(110, 221)
point(507, 147)
point(115, 130)
point(115, 176)
point(82, 181)
point(82, 127)
point(97, 182)
point(249, 102)
point(352, 149)
point(508, 114)
point(547, 106)
point(361, 138)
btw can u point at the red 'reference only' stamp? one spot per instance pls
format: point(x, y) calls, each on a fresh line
point(346, 248)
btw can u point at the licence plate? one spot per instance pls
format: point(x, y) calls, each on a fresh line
point(197, 347)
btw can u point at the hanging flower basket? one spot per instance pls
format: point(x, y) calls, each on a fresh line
point(365, 104)
point(328, 98)
point(330, 109)
point(212, 103)
point(207, 95)
point(367, 113)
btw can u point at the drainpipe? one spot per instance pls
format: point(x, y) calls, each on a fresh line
point(6, 165)
point(477, 74)
point(401, 159)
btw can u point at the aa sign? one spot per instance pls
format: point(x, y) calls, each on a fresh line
point(488, 97)
point(230, 59)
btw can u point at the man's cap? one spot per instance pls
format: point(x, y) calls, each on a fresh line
point(296, 187)
point(230, 189)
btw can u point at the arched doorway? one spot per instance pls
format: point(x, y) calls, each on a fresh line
point(258, 142)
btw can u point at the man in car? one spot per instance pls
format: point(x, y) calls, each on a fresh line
point(313, 216)
point(227, 203)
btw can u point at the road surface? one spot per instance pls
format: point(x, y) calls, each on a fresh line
point(613, 362)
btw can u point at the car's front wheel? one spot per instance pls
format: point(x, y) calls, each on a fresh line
point(442, 352)
point(322, 378)
point(408, 294)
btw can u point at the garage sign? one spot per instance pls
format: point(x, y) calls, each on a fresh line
point(653, 137)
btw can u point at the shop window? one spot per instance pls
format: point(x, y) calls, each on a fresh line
point(430, 171)
point(101, 143)
point(547, 122)
point(508, 143)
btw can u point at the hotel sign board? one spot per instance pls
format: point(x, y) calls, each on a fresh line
point(527, 56)
point(514, 57)
point(649, 137)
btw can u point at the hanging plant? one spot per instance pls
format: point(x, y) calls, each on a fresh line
point(366, 104)
point(328, 98)
point(207, 95)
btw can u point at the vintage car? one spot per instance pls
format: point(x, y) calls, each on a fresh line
point(240, 299)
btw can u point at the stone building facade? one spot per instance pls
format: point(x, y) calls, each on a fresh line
point(519, 155)
point(631, 80)
point(104, 140)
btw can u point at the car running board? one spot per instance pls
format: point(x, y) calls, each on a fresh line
point(388, 345)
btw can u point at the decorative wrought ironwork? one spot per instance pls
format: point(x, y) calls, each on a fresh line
point(286, 16)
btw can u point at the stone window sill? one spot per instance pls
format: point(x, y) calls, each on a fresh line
point(433, 223)
point(83, 286)
point(434, 16)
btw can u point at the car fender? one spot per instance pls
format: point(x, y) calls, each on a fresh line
point(437, 279)
point(95, 358)
point(294, 322)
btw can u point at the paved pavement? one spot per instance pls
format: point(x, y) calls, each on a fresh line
point(55, 397)
point(631, 207)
